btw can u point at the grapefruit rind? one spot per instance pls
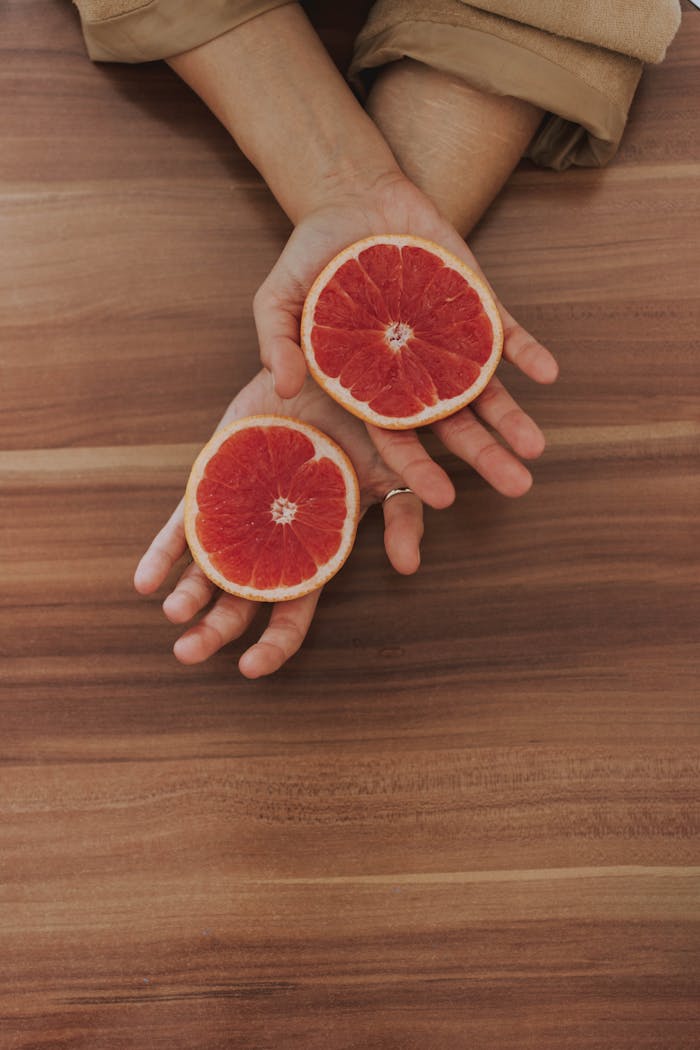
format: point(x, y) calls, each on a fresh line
point(325, 447)
point(431, 413)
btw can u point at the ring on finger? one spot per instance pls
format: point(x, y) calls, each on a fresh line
point(397, 492)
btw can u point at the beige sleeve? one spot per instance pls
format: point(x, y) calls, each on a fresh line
point(581, 62)
point(144, 30)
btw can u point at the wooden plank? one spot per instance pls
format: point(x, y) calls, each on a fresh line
point(466, 815)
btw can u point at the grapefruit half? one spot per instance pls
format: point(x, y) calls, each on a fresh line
point(271, 508)
point(400, 331)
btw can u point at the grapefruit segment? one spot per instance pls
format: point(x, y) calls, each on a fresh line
point(382, 264)
point(356, 367)
point(271, 508)
point(400, 331)
point(357, 285)
point(419, 268)
point(340, 310)
point(450, 372)
point(335, 348)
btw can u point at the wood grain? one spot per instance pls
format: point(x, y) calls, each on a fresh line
point(466, 815)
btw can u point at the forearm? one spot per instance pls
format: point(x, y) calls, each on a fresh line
point(272, 84)
point(457, 144)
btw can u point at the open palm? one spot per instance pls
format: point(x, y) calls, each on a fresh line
point(397, 206)
point(229, 616)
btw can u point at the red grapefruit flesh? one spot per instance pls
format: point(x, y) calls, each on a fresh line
point(400, 331)
point(271, 508)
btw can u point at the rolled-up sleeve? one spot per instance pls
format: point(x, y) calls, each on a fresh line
point(144, 30)
point(580, 62)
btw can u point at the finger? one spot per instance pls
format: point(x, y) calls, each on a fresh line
point(192, 593)
point(278, 334)
point(502, 412)
point(403, 531)
point(288, 627)
point(226, 620)
point(168, 546)
point(523, 351)
point(403, 453)
point(465, 436)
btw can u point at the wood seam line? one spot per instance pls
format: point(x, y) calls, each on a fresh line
point(499, 875)
point(524, 177)
point(145, 457)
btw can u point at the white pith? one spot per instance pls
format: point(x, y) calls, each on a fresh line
point(283, 511)
point(430, 413)
point(325, 448)
point(397, 335)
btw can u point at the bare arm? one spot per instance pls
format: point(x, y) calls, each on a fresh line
point(272, 84)
point(457, 144)
point(274, 87)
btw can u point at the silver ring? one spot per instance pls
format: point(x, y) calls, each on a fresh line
point(397, 492)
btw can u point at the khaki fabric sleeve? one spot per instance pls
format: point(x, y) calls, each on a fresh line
point(144, 30)
point(579, 62)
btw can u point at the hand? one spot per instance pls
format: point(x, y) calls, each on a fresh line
point(394, 205)
point(230, 616)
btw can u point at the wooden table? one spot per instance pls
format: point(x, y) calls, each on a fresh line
point(466, 815)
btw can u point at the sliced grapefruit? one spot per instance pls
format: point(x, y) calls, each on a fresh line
point(271, 508)
point(400, 331)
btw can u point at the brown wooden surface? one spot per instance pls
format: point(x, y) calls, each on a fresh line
point(466, 815)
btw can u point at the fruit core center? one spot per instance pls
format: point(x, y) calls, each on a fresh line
point(283, 511)
point(398, 334)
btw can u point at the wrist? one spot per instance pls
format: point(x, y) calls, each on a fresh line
point(349, 183)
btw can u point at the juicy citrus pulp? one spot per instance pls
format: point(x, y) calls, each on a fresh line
point(271, 508)
point(400, 331)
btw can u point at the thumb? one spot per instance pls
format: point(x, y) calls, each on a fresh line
point(277, 324)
